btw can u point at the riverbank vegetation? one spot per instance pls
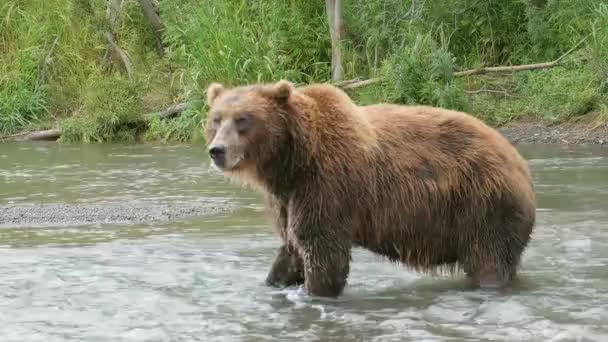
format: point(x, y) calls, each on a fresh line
point(118, 70)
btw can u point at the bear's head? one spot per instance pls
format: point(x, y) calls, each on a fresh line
point(246, 125)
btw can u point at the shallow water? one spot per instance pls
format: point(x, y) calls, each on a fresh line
point(201, 279)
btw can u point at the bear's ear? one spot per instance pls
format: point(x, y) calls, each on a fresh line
point(282, 90)
point(213, 91)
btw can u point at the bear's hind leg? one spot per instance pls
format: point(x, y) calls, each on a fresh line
point(287, 269)
point(494, 260)
point(494, 266)
point(488, 277)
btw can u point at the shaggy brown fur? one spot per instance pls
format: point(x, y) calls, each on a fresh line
point(427, 187)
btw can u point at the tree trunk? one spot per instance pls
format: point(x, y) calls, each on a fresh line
point(113, 8)
point(151, 12)
point(334, 16)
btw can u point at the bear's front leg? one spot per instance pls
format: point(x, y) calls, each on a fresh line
point(326, 258)
point(287, 269)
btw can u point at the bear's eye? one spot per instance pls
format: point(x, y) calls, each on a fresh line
point(216, 121)
point(242, 123)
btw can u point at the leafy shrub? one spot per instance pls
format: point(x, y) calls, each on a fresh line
point(111, 111)
point(421, 72)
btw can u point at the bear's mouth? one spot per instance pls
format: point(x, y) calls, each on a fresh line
point(227, 165)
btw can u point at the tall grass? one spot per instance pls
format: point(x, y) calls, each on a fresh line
point(42, 83)
point(420, 53)
point(421, 72)
point(239, 42)
point(22, 96)
point(415, 49)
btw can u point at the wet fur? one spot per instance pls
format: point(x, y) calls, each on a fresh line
point(427, 187)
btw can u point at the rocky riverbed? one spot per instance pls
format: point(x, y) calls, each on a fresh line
point(580, 132)
point(64, 215)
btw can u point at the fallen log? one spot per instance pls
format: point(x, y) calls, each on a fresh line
point(55, 133)
point(170, 112)
point(173, 111)
point(49, 134)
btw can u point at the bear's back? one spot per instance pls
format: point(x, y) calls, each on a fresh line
point(446, 135)
point(444, 155)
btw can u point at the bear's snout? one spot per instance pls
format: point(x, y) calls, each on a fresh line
point(218, 154)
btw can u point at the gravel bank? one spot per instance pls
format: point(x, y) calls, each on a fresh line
point(63, 215)
point(582, 132)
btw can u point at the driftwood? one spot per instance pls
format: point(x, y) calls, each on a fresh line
point(55, 133)
point(499, 69)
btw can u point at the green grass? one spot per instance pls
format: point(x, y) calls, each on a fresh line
point(101, 119)
point(69, 85)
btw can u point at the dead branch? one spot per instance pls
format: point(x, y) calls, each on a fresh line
point(346, 82)
point(111, 37)
point(486, 70)
point(523, 67)
point(113, 8)
point(359, 84)
point(490, 91)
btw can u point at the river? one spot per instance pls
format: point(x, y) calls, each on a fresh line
point(199, 277)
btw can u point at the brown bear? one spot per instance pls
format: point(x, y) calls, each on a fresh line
point(427, 187)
